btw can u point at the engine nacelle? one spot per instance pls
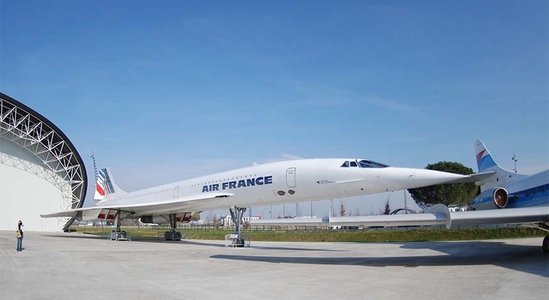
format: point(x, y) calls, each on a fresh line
point(154, 219)
point(492, 198)
point(165, 219)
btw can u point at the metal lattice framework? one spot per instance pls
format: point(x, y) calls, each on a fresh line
point(31, 131)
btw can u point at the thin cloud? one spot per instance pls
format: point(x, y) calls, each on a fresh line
point(324, 91)
point(409, 139)
point(328, 96)
point(391, 105)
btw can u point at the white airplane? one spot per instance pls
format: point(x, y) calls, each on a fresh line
point(505, 198)
point(260, 185)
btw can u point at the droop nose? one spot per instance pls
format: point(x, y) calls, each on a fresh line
point(424, 177)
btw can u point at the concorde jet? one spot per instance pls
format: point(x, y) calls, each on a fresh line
point(259, 185)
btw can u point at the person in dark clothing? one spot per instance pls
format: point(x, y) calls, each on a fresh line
point(19, 236)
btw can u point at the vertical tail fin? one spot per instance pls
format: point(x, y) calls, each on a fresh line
point(486, 163)
point(105, 187)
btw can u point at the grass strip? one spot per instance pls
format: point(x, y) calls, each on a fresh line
point(415, 235)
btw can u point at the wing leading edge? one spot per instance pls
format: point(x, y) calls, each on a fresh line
point(169, 206)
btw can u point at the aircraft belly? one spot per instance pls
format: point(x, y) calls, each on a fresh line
point(90, 215)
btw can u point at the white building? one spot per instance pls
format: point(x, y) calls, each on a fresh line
point(40, 170)
point(228, 220)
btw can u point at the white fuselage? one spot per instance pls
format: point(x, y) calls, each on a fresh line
point(282, 182)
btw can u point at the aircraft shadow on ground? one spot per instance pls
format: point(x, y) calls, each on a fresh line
point(76, 236)
point(159, 240)
point(199, 243)
point(293, 249)
point(528, 259)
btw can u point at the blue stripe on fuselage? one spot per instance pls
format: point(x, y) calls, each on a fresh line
point(536, 196)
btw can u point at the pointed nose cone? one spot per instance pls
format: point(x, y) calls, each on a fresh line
point(394, 179)
point(424, 177)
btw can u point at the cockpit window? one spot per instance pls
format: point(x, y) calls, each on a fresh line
point(363, 164)
point(371, 164)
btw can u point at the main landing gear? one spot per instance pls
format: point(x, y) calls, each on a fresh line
point(118, 234)
point(172, 235)
point(545, 227)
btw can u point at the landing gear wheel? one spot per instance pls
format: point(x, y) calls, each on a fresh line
point(545, 244)
point(172, 236)
point(238, 242)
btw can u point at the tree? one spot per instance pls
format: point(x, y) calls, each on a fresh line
point(342, 210)
point(387, 209)
point(216, 221)
point(446, 193)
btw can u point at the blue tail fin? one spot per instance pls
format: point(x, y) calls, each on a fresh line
point(486, 163)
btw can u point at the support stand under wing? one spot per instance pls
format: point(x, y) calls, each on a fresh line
point(237, 239)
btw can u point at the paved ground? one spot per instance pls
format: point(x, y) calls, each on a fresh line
point(76, 266)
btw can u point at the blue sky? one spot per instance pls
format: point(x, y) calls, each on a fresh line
point(168, 90)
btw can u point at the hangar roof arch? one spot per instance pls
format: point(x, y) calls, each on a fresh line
point(33, 132)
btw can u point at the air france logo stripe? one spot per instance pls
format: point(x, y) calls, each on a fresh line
point(261, 180)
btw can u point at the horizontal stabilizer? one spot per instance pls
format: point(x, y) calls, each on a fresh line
point(291, 222)
point(502, 216)
point(435, 216)
point(440, 216)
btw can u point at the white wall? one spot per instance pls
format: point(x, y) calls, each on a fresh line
point(26, 191)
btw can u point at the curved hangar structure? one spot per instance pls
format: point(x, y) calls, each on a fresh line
point(40, 170)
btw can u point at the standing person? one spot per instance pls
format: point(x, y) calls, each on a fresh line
point(19, 236)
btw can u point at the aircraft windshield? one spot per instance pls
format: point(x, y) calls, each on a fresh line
point(362, 164)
